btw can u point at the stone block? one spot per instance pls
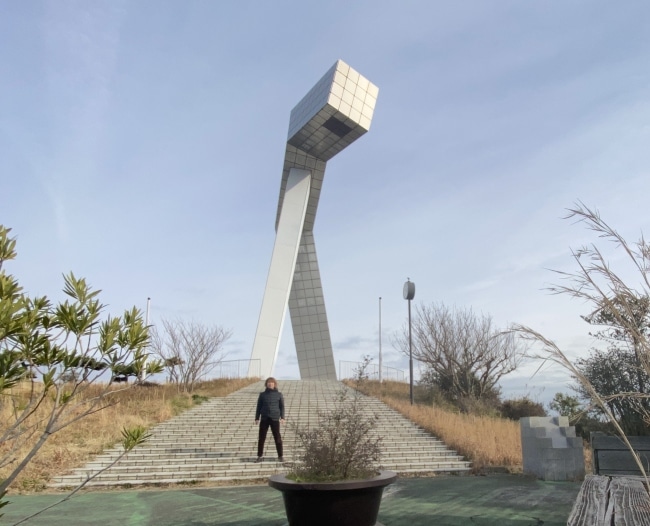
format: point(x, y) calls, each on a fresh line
point(550, 449)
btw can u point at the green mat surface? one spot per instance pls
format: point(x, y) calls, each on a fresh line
point(503, 500)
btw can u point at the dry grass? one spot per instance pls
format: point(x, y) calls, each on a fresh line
point(78, 443)
point(488, 442)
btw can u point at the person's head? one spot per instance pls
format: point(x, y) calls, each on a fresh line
point(271, 383)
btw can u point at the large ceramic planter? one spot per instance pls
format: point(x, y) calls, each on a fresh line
point(346, 503)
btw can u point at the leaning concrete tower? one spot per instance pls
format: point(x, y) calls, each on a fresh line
point(336, 112)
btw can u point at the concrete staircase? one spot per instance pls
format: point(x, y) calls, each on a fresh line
point(217, 440)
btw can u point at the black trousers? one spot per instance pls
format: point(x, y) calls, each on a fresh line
point(265, 423)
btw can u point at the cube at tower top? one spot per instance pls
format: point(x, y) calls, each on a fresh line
point(336, 111)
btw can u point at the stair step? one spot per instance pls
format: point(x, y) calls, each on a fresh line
point(217, 440)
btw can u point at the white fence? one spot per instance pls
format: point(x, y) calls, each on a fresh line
point(237, 368)
point(349, 370)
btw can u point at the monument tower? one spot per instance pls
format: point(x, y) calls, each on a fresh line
point(334, 113)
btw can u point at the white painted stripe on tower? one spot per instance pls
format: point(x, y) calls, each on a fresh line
point(283, 265)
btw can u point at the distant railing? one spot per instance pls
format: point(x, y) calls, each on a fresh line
point(238, 368)
point(349, 370)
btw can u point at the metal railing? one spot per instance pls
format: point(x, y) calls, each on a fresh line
point(349, 370)
point(238, 368)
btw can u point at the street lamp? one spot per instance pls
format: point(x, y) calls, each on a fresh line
point(409, 294)
point(380, 360)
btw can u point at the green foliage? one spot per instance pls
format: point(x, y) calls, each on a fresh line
point(181, 403)
point(7, 245)
point(343, 446)
point(135, 436)
point(625, 322)
point(199, 399)
point(625, 318)
point(3, 503)
point(520, 408)
point(566, 405)
point(613, 373)
point(59, 350)
point(585, 419)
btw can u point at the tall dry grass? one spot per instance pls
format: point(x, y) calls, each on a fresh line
point(488, 442)
point(78, 443)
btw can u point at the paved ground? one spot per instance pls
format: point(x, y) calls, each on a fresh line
point(503, 500)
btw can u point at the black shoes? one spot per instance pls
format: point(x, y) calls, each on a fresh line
point(259, 459)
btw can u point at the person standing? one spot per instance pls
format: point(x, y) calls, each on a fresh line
point(270, 413)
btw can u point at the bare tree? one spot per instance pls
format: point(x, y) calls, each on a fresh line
point(465, 354)
point(612, 301)
point(189, 350)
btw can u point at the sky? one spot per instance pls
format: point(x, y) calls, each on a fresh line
point(141, 147)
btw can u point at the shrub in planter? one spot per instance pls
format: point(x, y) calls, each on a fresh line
point(342, 447)
point(337, 479)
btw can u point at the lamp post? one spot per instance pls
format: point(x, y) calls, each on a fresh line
point(409, 294)
point(380, 361)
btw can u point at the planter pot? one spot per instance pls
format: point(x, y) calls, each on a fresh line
point(345, 503)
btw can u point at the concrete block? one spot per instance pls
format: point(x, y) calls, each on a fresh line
point(550, 449)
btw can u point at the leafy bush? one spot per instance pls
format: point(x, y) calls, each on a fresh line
point(584, 419)
point(57, 353)
point(617, 371)
point(199, 399)
point(521, 408)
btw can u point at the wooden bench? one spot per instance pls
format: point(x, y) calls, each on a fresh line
point(611, 501)
point(616, 494)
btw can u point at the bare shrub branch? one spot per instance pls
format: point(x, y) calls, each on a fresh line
point(464, 352)
point(344, 444)
point(190, 350)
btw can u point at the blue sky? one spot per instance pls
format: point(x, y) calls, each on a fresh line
point(141, 146)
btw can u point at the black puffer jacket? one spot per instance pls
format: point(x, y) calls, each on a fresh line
point(270, 404)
